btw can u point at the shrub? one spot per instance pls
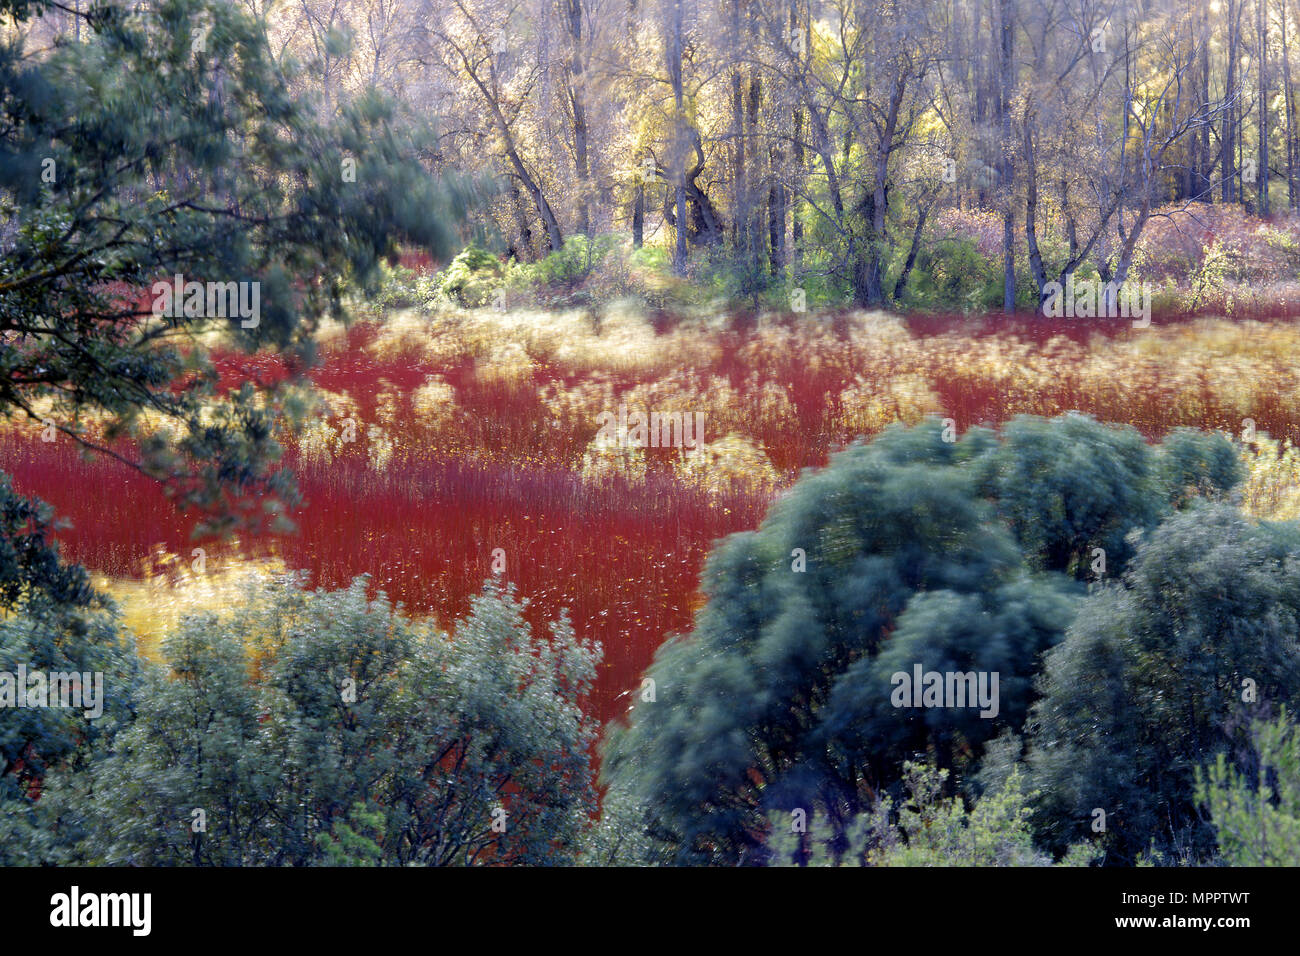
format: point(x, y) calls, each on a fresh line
point(568, 267)
point(927, 829)
point(1069, 485)
point(51, 622)
point(1156, 675)
point(952, 275)
point(400, 288)
point(472, 278)
point(38, 744)
point(910, 551)
point(1193, 463)
point(1256, 814)
point(310, 727)
point(600, 269)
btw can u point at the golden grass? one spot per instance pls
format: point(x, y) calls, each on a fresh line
point(173, 588)
point(1272, 486)
point(781, 393)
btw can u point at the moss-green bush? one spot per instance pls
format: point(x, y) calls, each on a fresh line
point(472, 278)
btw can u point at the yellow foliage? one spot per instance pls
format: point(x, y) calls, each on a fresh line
point(1271, 490)
point(732, 463)
point(606, 457)
point(173, 588)
point(867, 408)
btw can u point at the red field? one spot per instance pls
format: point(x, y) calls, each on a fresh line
point(491, 453)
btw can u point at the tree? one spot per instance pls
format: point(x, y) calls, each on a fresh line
point(572, 20)
point(315, 727)
point(1156, 676)
point(168, 145)
point(165, 145)
point(1114, 135)
point(1072, 490)
point(349, 847)
point(864, 83)
point(36, 741)
point(52, 622)
point(674, 51)
point(845, 123)
point(896, 556)
point(470, 44)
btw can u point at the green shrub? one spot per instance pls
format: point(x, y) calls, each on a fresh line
point(567, 268)
point(911, 551)
point(1158, 675)
point(952, 275)
point(289, 721)
point(590, 271)
point(472, 279)
point(927, 829)
point(400, 288)
point(1256, 814)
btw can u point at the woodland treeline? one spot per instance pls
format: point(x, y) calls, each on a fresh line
point(820, 137)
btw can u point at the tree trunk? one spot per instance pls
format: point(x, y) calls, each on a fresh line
point(675, 45)
point(572, 16)
point(796, 224)
point(754, 221)
point(1031, 216)
point(533, 187)
point(1288, 98)
point(1204, 162)
point(878, 201)
point(776, 213)
point(739, 186)
point(1004, 106)
point(1261, 23)
point(521, 222)
point(638, 216)
point(922, 214)
point(1228, 153)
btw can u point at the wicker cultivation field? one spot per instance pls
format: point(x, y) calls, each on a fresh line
point(476, 430)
